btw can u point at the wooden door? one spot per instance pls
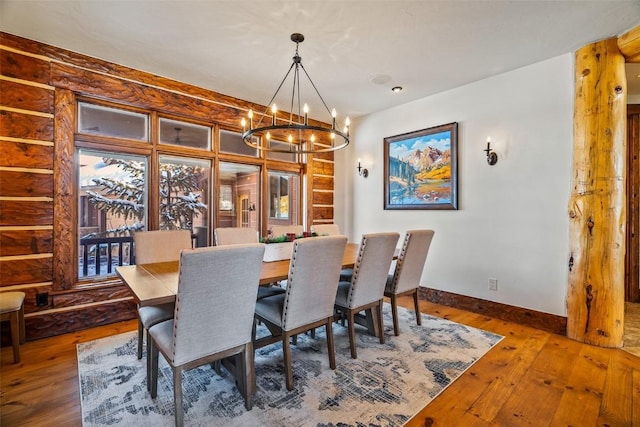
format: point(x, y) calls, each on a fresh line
point(632, 270)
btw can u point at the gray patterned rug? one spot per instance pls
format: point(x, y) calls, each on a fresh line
point(385, 386)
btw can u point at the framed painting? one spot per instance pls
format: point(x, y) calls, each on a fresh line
point(421, 169)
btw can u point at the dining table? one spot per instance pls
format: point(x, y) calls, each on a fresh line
point(157, 283)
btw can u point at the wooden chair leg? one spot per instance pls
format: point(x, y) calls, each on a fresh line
point(140, 338)
point(14, 324)
point(177, 396)
point(249, 375)
point(352, 334)
point(149, 368)
point(394, 312)
point(330, 345)
point(417, 307)
point(380, 322)
point(21, 324)
point(152, 357)
point(288, 367)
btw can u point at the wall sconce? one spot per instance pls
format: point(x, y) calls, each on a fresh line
point(362, 171)
point(492, 157)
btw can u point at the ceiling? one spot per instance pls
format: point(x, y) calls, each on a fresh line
point(354, 51)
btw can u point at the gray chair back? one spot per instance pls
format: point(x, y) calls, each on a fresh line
point(312, 284)
point(411, 260)
point(372, 267)
point(325, 229)
point(281, 230)
point(235, 236)
point(160, 245)
point(216, 299)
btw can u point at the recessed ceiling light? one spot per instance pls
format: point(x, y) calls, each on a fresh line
point(396, 89)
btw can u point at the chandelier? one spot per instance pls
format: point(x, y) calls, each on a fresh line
point(295, 134)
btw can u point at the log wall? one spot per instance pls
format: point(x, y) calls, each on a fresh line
point(40, 85)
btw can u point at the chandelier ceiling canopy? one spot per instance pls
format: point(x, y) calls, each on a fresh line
point(294, 134)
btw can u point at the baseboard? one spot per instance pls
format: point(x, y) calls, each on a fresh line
point(536, 319)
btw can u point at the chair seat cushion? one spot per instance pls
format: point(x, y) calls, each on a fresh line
point(346, 274)
point(269, 291)
point(162, 334)
point(153, 314)
point(11, 301)
point(343, 294)
point(270, 308)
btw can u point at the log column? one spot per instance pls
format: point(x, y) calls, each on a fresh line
point(595, 300)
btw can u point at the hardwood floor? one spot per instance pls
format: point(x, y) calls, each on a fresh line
point(531, 378)
point(632, 328)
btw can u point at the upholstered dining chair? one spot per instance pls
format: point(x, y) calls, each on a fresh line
point(325, 229)
point(309, 299)
point(213, 318)
point(366, 289)
point(235, 235)
point(405, 279)
point(12, 310)
point(281, 230)
point(157, 246)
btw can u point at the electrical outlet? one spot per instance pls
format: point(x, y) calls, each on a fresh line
point(493, 284)
point(42, 299)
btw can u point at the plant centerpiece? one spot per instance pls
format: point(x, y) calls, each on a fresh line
point(279, 247)
point(285, 238)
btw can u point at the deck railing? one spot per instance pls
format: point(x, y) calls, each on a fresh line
point(99, 255)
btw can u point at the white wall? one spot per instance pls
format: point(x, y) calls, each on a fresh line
point(511, 223)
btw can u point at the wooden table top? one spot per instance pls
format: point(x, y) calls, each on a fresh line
point(157, 283)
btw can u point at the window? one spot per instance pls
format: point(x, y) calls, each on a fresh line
point(107, 121)
point(239, 195)
point(284, 190)
point(231, 142)
point(112, 204)
point(167, 183)
point(183, 196)
point(184, 134)
point(276, 155)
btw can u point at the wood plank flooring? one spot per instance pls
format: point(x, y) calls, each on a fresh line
point(632, 328)
point(531, 378)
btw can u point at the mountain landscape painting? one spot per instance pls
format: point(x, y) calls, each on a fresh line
point(421, 169)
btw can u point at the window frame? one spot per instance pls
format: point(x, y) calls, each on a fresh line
point(154, 149)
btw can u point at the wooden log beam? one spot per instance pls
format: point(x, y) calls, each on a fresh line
point(595, 300)
point(629, 44)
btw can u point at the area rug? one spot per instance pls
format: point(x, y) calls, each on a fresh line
point(385, 386)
